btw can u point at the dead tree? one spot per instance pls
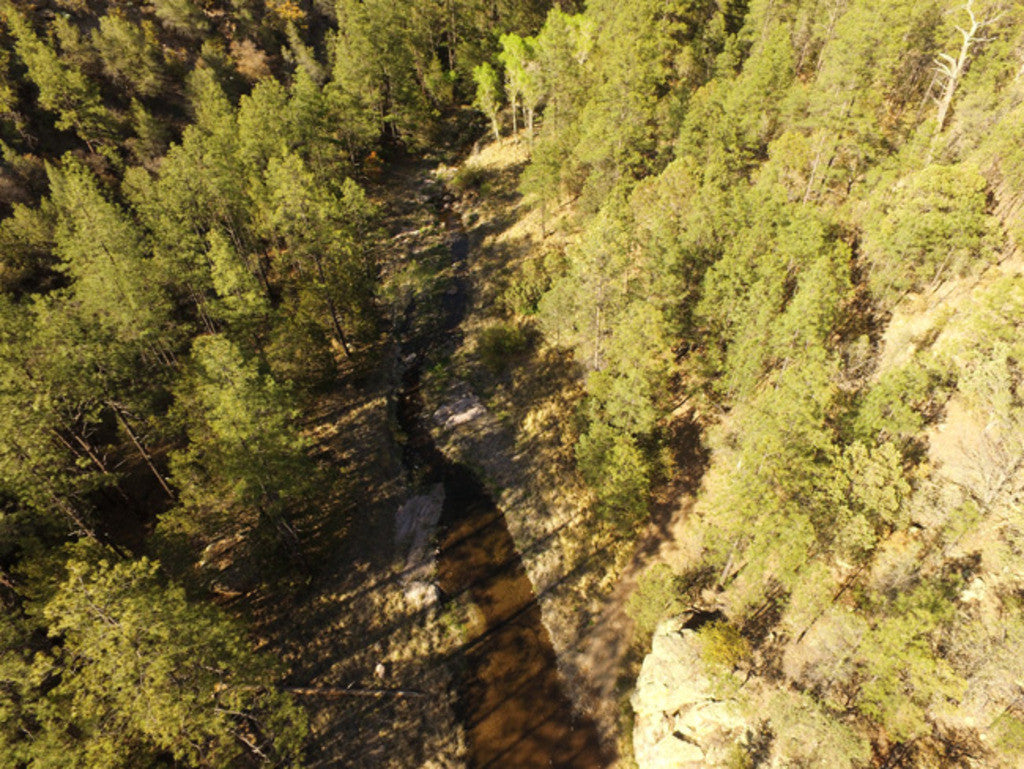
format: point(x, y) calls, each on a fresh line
point(952, 69)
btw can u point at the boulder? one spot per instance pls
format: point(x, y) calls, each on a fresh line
point(459, 411)
point(422, 595)
point(681, 723)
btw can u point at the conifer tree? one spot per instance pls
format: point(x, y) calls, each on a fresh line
point(245, 465)
point(320, 231)
point(137, 671)
point(104, 254)
point(63, 90)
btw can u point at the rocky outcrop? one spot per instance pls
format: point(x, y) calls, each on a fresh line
point(681, 723)
point(415, 524)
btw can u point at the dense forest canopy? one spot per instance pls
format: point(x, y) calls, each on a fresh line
point(775, 201)
point(186, 262)
point(798, 218)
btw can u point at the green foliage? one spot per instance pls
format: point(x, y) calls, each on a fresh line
point(1009, 733)
point(809, 735)
point(986, 328)
point(26, 249)
point(903, 676)
point(523, 79)
point(298, 350)
point(776, 292)
point(658, 595)
point(355, 89)
point(387, 74)
point(499, 343)
point(245, 464)
point(136, 671)
point(42, 481)
point(738, 758)
point(631, 389)
point(103, 252)
point(753, 132)
point(722, 648)
point(470, 178)
point(530, 281)
point(322, 230)
point(600, 308)
point(575, 312)
point(488, 94)
point(743, 188)
point(243, 300)
point(614, 467)
point(934, 225)
point(63, 90)
point(770, 511)
point(891, 409)
point(130, 53)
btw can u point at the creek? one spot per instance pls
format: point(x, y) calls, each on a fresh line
point(510, 698)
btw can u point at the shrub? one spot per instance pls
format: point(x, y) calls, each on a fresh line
point(499, 343)
point(721, 646)
point(530, 282)
point(658, 595)
point(616, 471)
point(469, 178)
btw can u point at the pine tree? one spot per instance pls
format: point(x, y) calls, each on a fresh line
point(136, 671)
point(934, 226)
point(63, 90)
point(46, 472)
point(104, 254)
point(245, 465)
point(320, 231)
point(131, 54)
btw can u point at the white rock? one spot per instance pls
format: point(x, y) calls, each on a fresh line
point(459, 412)
point(415, 523)
point(420, 594)
point(674, 753)
point(680, 723)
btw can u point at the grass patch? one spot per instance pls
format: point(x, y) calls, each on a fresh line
point(470, 178)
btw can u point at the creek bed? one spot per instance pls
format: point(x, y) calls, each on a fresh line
point(510, 696)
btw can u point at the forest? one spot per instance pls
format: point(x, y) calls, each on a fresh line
point(771, 269)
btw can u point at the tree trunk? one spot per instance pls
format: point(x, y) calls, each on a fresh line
point(332, 308)
point(65, 507)
point(954, 69)
point(146, 456)
point(339, 692)
point(336, 322)
point(84, 445)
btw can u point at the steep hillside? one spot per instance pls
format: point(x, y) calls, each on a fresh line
point(802, 224)
point(680, 421)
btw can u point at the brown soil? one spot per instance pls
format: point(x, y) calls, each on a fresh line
point(372, 669)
